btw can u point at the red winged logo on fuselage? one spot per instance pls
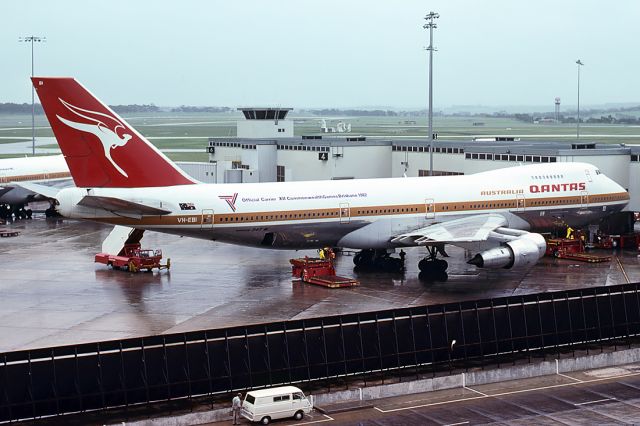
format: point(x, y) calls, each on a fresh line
point(230, 199)
point(108, 129)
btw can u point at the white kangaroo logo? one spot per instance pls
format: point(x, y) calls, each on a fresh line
point(108, 136)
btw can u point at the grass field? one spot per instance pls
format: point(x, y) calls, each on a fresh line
point(191, 130)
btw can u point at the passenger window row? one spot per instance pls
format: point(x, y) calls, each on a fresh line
point(430, 209)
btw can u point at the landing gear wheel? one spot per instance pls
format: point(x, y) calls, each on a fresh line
point(432, 277)
point(390, 264)
point(424, 264)
point(441, 276)
point(377, 260)
point(431, 268)
point(441, 265)
point(363, 258)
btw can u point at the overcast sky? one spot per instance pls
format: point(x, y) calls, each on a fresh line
point(327, 53)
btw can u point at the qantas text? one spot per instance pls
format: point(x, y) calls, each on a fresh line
point(557, 187)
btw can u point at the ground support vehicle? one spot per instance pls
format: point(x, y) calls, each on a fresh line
point(321, 272)
point(5, 233)
point(624, 241)
point(572, 249)
point(134, 259)
point(282, 402)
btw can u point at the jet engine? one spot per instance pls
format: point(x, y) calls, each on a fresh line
point(520, 252)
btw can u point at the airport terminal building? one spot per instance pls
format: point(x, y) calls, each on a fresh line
point(274, 155)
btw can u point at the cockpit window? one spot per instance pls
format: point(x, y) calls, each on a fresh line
point(598, 172)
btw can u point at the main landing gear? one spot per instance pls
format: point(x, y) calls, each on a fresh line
point(431, 268)
point(16, 212)
point(379, 260)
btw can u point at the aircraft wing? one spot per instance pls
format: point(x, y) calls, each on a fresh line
point(44, 190)
point(120, 207)
point(466, 230)
point(4, 190)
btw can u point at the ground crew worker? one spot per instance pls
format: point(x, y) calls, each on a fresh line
point(321, 254)
point(569, 232)
point(236, 405)
point(330, 253)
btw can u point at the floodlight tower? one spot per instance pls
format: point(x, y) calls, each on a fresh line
point(430, 18)
point(32, 39)
point(579, 63)
point(557, 110)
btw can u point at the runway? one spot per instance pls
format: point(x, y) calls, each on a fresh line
point(51, 292)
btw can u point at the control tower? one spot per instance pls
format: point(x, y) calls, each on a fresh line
point(263, 123)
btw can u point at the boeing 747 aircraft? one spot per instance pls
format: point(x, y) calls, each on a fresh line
point(122, 179)
point(50, 170)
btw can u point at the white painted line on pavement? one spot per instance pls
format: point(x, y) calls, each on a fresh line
point(596, 401)
point(476, 391)
point(562, 385)
point(569, 377)
point(326, 419)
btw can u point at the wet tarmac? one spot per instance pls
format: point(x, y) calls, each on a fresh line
point(51, 292)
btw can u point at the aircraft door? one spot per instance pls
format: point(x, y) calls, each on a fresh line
point(430, 208)
point(345, 213)
point(207, 219)
point(588, 173)
point(520, 203)
point(584, 199)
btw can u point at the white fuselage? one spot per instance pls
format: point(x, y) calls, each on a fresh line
point(362, 213)
point(51, 168)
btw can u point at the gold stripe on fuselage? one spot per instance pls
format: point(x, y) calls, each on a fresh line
point(515, 204)
point(36, 176)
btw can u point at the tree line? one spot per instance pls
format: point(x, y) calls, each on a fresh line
point(15, 108)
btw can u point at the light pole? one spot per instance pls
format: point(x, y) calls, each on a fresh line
point(32, 39)
point(430, 18)
point(579, 63)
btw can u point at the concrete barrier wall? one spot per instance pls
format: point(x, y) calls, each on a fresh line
point(482, 377)
point(515, 372)
point(198, 418)
point(608, 359)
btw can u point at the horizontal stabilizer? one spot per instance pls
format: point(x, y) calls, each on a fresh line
point(119, 206)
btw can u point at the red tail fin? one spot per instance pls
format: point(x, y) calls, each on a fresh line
point(101, 149)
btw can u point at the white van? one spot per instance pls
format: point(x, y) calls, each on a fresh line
point(275, 403)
